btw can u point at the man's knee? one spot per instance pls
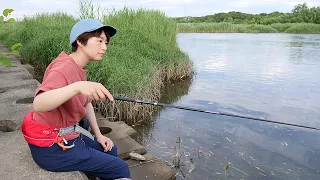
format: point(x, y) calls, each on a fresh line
point(125, 170)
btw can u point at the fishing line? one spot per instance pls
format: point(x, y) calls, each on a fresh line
point(210, 112)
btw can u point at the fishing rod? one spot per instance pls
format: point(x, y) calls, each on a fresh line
point(209, 112)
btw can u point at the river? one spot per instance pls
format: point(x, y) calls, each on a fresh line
point(273, 76)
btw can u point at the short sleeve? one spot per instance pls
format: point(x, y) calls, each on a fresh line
point(53, 80)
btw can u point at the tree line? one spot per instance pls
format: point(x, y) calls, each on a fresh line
point(301, 13)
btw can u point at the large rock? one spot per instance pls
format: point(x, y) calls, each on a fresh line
point(118, 129)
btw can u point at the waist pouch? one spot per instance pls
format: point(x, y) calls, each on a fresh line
point(43, 135)
point(38, 134)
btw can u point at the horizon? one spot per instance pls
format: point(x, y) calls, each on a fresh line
point(172, 8)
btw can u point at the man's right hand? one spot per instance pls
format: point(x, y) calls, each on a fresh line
point(93, 90)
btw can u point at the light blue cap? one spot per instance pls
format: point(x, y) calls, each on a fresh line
point(88, 25)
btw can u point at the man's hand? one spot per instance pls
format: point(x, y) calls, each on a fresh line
point(93, 90)
point(106, 142)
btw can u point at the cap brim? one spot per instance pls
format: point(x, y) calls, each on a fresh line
point(111, 30)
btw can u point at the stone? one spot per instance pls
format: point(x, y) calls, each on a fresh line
point(119, 129)
point(151, 168)
point(136, 156)
point(126, 146)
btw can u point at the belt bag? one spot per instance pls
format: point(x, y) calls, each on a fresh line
point(43, 135)
point(38, 134)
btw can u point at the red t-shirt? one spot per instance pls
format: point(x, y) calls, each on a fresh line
point(62, 72)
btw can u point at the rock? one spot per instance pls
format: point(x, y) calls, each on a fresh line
point(136, 156)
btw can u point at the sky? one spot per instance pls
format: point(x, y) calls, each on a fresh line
point(172, 8)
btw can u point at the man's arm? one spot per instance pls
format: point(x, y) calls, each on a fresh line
point(105, 142)
point(52, 99)
point(90, 115)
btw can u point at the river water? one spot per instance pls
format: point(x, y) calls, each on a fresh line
point(273, 76)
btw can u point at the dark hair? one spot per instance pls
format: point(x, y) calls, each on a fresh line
point(83, 38)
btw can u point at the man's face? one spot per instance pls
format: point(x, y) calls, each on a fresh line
point(96, 47)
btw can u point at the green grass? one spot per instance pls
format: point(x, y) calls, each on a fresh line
point(300, 28)
point(304, 28)
point(139, 60)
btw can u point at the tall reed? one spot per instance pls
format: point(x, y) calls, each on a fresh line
point(226, 27)
point(139, 60)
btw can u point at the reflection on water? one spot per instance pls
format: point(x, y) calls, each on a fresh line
point(172, 91)
point(274, 76)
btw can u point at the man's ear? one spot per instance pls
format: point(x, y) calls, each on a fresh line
point(79, 43)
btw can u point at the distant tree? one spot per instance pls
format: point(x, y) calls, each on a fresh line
point(300, 13)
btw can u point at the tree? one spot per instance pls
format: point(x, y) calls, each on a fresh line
point(300, 13)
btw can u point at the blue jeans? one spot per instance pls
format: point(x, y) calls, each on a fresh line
point(86, 156)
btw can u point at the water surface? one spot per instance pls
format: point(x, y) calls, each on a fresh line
point(273, 76)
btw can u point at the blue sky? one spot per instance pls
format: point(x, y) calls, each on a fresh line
point(172, 8)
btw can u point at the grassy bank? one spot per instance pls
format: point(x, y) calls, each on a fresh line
point(300, 28)
point(140, 58)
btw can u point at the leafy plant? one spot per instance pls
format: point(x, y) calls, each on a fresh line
point(4, 61)
point(5, 17)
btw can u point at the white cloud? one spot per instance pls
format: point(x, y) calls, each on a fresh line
point(166, 7)
point(47, 2)
point(170, 7)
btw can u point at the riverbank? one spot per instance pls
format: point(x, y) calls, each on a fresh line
point(139, 60)
point(225, 27)
point(17, 87)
